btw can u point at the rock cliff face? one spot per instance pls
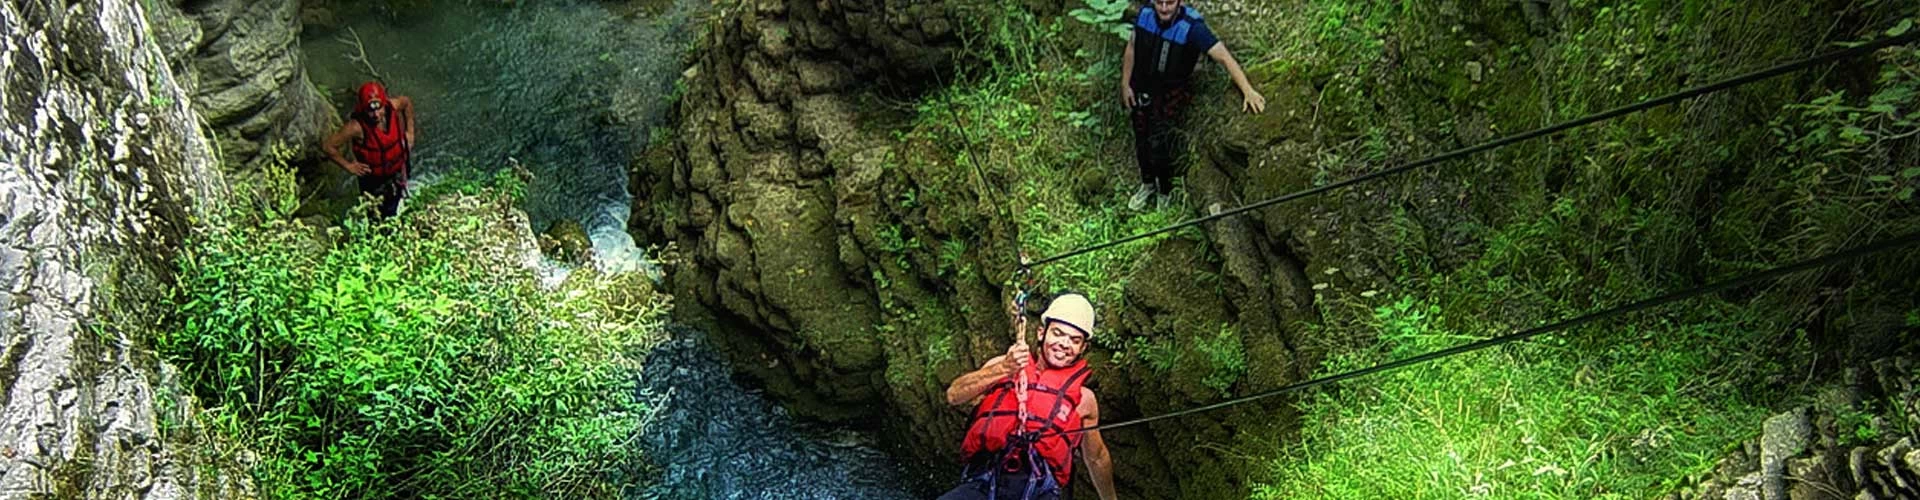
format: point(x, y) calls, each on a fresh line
point(102, 166)
point(775, 166)
point(777, 162)
point(242, 61)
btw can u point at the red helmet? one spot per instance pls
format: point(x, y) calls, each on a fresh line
point(370, 93)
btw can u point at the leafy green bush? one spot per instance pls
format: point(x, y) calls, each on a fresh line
point(417, 358)
point(1217, 362)
point(1226, 359)
point(1109, 16)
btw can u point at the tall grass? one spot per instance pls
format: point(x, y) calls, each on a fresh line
point(1536, 420)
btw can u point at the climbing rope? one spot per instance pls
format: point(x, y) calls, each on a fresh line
point(1022, 279)
point(1023, 275)
point(1729, 83)
point(1775, 273)
point(972, 156)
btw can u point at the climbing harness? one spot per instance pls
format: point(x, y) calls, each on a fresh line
point(1030, 437)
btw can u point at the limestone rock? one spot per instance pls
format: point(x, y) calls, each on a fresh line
point(1858, 464)
point(1892, 458)
point(249, 78)
point(1912, 465)
point(1813, 478)
point(818, 77)
point(101, 167)
point(566, 241)
point(1786, 435)
point(1748, 488)
point(773, 169)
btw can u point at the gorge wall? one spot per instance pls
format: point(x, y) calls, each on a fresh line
point(102, 171)
point(242, 61)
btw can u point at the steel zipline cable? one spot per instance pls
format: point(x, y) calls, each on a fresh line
point(1729, 83)
point(1698, 91)
point(1909, 239)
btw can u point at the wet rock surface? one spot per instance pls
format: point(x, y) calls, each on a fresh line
point(713, 438)
point(566, 241)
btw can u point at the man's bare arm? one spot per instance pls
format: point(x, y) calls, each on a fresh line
point(404, 104)
point(1093, 448)
point(347, 132)
point(971, 385)
point(1254, 101)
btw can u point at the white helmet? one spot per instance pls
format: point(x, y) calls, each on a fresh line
point(1073, 309)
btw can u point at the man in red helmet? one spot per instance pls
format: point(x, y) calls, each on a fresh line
point(381, 130)
point(1028, 455)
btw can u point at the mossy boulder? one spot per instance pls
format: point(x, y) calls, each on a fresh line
point(566, 241)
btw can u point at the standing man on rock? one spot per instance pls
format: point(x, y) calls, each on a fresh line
point(1019, 446)
point(381, 130)
point(1166, 45)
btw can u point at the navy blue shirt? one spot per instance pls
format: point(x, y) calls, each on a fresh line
point(1165, 53)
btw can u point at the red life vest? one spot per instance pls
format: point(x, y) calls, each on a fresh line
point(1053, 408)
point(385, 151)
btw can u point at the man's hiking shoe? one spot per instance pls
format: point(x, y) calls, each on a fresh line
point(1160, 202)
point(1139, 199)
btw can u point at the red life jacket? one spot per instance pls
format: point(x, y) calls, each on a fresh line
point(1053, 408)
point(385, 151)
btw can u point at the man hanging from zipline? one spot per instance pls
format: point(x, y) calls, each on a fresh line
point(1019, 446)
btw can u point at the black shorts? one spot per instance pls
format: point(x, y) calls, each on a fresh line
point(389, 189)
